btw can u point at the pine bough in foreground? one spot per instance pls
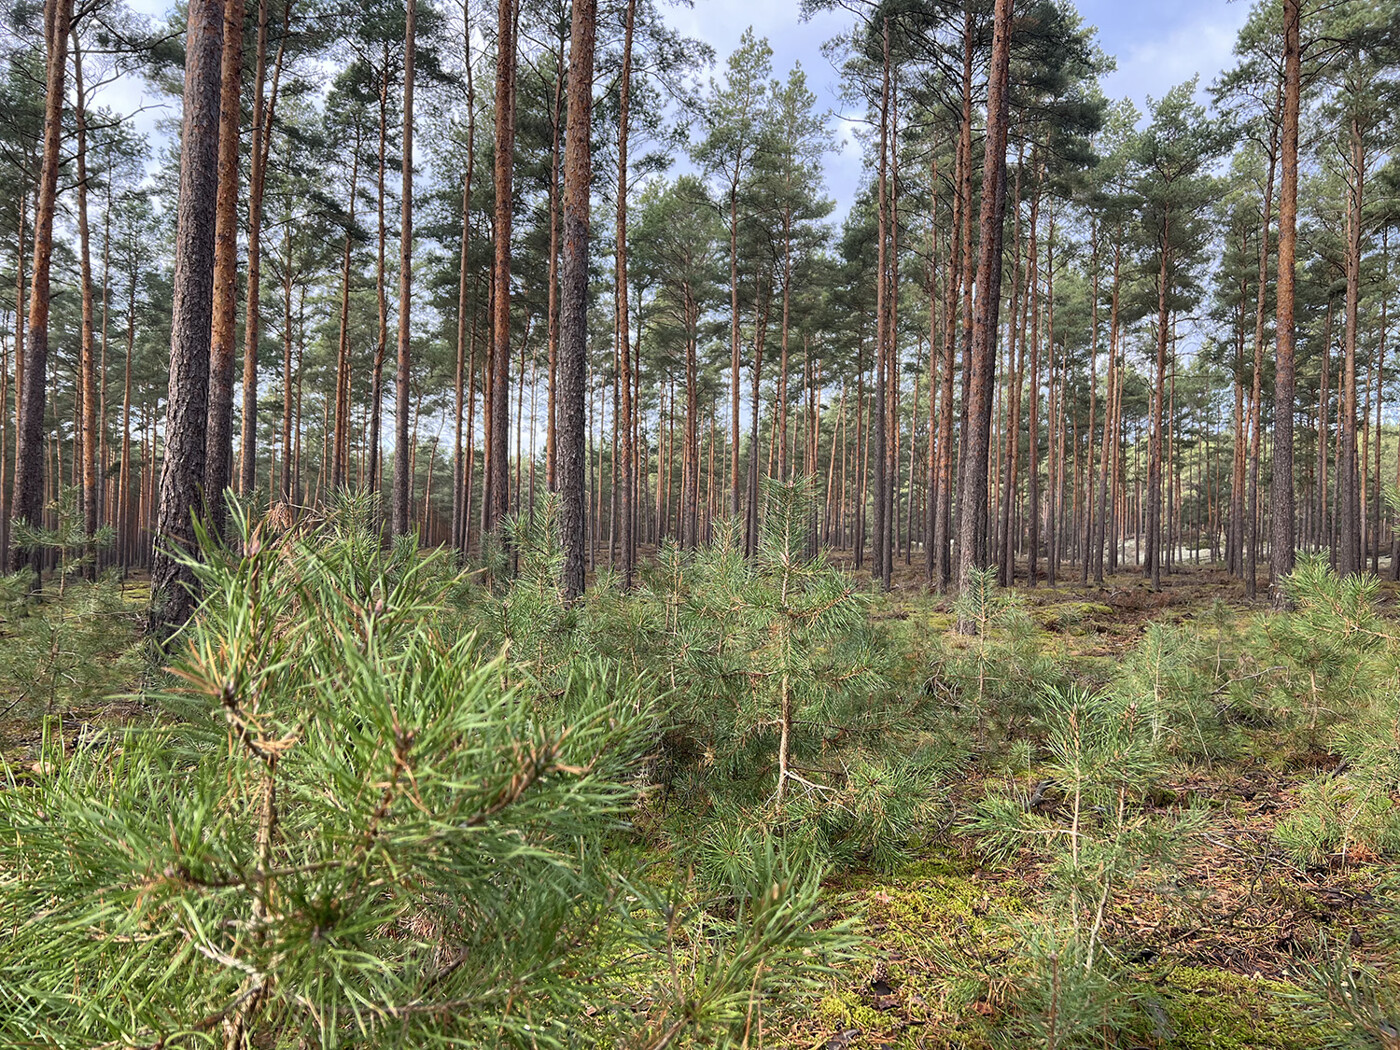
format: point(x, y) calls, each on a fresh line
point(357, 832)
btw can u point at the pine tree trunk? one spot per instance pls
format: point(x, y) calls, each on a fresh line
point(1240, 458)
point(381, 342)
point(497, 483)
point(218, 440)
point(1152, 561)
point(126, 543)
point(1107, 486)
point(891, 536)
point(257, 181)
point(1033, 413)
point(288, 466)
point(173, 595)
point(1257, 421)
point(939, 569)
point(403, 481)
point(880, 409)
point(688, 527)
point(626, 468)
point(462, 468)
point(31, 393)
point(573, 317)
point(1348, 500)
point(6, 496)
point(340, 436)
point(556, 123)
point(735, 494)
point(1091, 479)
point(1055, 403)
point(972, 551)
point(88, 364)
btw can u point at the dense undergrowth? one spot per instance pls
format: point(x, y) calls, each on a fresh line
point(379, 800)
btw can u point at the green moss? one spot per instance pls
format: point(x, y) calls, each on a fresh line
point(1062, 616)
point(842, 1010)
point(1217, 1010)
point(938, 897)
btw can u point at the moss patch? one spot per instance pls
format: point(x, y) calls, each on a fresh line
point(1217, 1010)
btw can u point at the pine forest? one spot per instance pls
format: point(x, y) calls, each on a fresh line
point(641, 524)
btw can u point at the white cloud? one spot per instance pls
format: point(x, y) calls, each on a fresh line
point(1150, 64)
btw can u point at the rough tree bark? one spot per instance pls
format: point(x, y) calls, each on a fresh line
point(627, 470)
point(573, 315)
point(173, 594)
point(497, 496)
point(31, 389)
point(976, 445)
point(462, 468)
point(257, 180)
point(87, 367)
point(403, 481)
point(218, 439)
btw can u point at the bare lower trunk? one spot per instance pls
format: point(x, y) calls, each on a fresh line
point(218, 440)
point(573, 319)
point(173, 593)
point(626, 468)
point(972, 521)
point(497, 498)
point(33, 390)
point(403, 483)
point(87, 366)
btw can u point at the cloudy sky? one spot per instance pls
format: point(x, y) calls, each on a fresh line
point(1156, 45)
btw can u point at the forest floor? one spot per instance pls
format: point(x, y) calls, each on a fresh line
point(1214, 946)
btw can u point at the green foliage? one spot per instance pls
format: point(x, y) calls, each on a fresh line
point(1350, 1005)
point(775, 711)
point(62, 650)
point(68, 539)
point(364, 832)
point(1087, 823)
point(73, 642)
point(1329, 653)
point(1166, 677)
point(1339, 817)
point(995, 671)
point(1062, 1000)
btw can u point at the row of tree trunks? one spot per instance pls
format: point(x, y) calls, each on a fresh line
point(1081, 508)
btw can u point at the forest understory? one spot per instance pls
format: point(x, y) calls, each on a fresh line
point(1114, 816)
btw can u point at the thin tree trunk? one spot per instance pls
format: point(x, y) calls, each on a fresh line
point(288, 494)
point(462, 469)
point(29, 449)
point(381, 342)
point(497, 495)
point(88, 390)
point(402, 480)
point(1152, 565)
point(257, 181)
point(880, 423)
point(1348, 499)
point(627, 469)
point(556, 122)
